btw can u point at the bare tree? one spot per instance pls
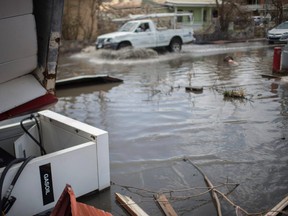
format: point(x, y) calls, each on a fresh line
point(71, 20)
point(80, 19)
point(229, 11)
point(279, 10)
point(85, 19)
point(94, 14)
point(279, 6)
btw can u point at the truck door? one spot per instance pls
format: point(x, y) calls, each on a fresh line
point(145, 36)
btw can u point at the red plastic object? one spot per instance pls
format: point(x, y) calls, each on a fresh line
point(277, 59)
point(68, 206)
point(37, 104)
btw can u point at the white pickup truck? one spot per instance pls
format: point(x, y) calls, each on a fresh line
point(143, 33)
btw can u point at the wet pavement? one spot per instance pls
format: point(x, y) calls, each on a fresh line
point(156, 127)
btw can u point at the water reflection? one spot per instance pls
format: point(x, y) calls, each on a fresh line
point(153, 122)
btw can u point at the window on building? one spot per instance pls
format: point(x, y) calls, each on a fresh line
point(214, 13)
point(180, 18)
point(205, 15)
point(252, 2)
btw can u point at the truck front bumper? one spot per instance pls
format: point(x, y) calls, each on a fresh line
point(112, 46)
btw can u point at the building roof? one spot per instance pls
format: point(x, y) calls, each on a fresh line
point(190, 3)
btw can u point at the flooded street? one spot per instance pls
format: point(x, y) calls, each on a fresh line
point(156, 127)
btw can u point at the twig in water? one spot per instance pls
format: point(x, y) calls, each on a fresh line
point(210, 186)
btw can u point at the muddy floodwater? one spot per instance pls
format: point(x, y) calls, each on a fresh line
point(158, 130)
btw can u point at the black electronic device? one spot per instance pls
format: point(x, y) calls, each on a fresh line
point(5, 158)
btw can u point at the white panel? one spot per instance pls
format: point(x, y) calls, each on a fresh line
point(11, 8)
point(13, 69)
point(56, 138)
point(17, 38)
point(70, 124)
point(61, 127)
point(103, 161)
point(84, 166)
point(76, 166)
point(19, 91)
point(25, 147)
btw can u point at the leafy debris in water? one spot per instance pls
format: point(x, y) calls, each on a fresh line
point(240, 94)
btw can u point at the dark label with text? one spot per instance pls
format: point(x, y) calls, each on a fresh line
point(46, 183)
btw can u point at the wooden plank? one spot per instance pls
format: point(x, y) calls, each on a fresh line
point(132, 208)
point(270, 76)
point(85, 80)
point(165, 205)
point(278, 208)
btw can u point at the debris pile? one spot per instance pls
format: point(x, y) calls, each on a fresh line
point(240, 94)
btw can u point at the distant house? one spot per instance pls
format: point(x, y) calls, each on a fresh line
point(267, 8)
point(258, 7)
point(203, 10)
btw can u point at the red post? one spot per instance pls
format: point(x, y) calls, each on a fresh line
point(276, 59)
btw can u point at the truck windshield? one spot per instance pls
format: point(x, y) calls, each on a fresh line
point(128, 27)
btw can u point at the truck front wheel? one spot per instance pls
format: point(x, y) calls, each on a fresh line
point(123, 45)
point(175, 45)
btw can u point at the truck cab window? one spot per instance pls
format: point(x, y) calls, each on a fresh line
point(143, 27)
